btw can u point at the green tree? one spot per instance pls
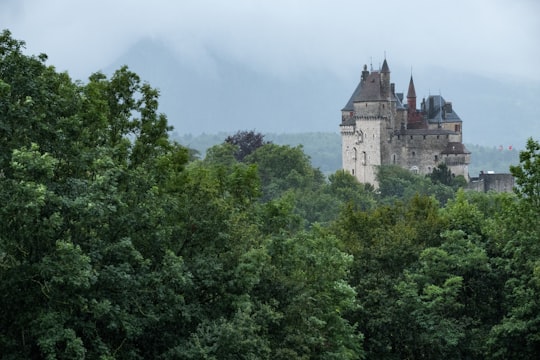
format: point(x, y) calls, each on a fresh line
point(86, 268)
point(384, 242)
point(346, 188)
point(516, 335)
point(305, 282)
point(282, 168)
point(448, 301)
point(527, 173)
point(396, 183)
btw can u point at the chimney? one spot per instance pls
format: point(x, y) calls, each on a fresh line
point(448, 107)
point(365, 73)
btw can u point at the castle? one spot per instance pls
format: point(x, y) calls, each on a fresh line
point(377, 128)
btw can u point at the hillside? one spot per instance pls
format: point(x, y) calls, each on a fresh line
point(324, 149)
point(230, 96)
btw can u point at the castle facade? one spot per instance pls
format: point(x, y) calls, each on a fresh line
point(378, 128)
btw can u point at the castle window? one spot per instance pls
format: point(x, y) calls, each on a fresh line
point(437, 136)
point(457, 128)
point(436, 158)
point(394, 158)
point(364, 158)
point(413, 154)
point(359, 136)
point(352, 171)
point(414, 169)
point(424, 137)
point(411, 137)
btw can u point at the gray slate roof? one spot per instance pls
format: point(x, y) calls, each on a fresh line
point(368, 90)
point(350, 104)
point(434, 115)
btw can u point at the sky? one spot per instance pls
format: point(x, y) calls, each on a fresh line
point(291, 40)
point(287, 37)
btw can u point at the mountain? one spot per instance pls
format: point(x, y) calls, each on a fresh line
point(225, 96)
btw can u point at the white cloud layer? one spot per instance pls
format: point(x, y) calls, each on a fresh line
point(494, 38)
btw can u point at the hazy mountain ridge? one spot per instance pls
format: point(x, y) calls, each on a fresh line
point(225, 96)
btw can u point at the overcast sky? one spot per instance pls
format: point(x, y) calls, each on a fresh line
point(494, 38)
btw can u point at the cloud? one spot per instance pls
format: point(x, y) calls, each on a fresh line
point(287, 37)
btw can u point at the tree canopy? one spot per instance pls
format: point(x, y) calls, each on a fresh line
point(117, 243)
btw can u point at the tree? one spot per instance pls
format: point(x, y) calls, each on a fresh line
point(247, 142)
point(282, 168)
point(516, 335)
point(384, 242)
point(304, 282)
point(441, 174)
point(396, 183)
point(527, 173)
point(86, 267)
point(346, 188)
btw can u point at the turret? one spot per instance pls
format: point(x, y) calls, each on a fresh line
point(411, 96)
point(414, 117)
point(385, 80)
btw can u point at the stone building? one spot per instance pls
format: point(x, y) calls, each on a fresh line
point(490, 181)
point(378, 128)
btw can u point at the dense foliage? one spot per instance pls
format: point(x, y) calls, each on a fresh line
point(116, 243)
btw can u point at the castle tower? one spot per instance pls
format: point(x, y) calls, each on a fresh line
point(367, 125)
point(378, 129)
point(411, 96)
point(414, 117)
point(385, 81)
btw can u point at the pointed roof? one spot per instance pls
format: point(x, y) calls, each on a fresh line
point(368, 89)
point(411, 93)
point(385, 68)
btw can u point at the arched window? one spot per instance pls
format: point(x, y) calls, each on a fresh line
point(414, 169)
point(364, 158)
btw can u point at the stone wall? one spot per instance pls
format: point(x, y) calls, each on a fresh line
point(492, 182)
point(361, 148)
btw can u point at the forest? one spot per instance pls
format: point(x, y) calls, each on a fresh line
point(117, 242)
point(324, 150)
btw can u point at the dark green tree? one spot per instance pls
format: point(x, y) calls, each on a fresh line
point(283, 168)
point(517, 234)
point(396, 183)
point(527, 173)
